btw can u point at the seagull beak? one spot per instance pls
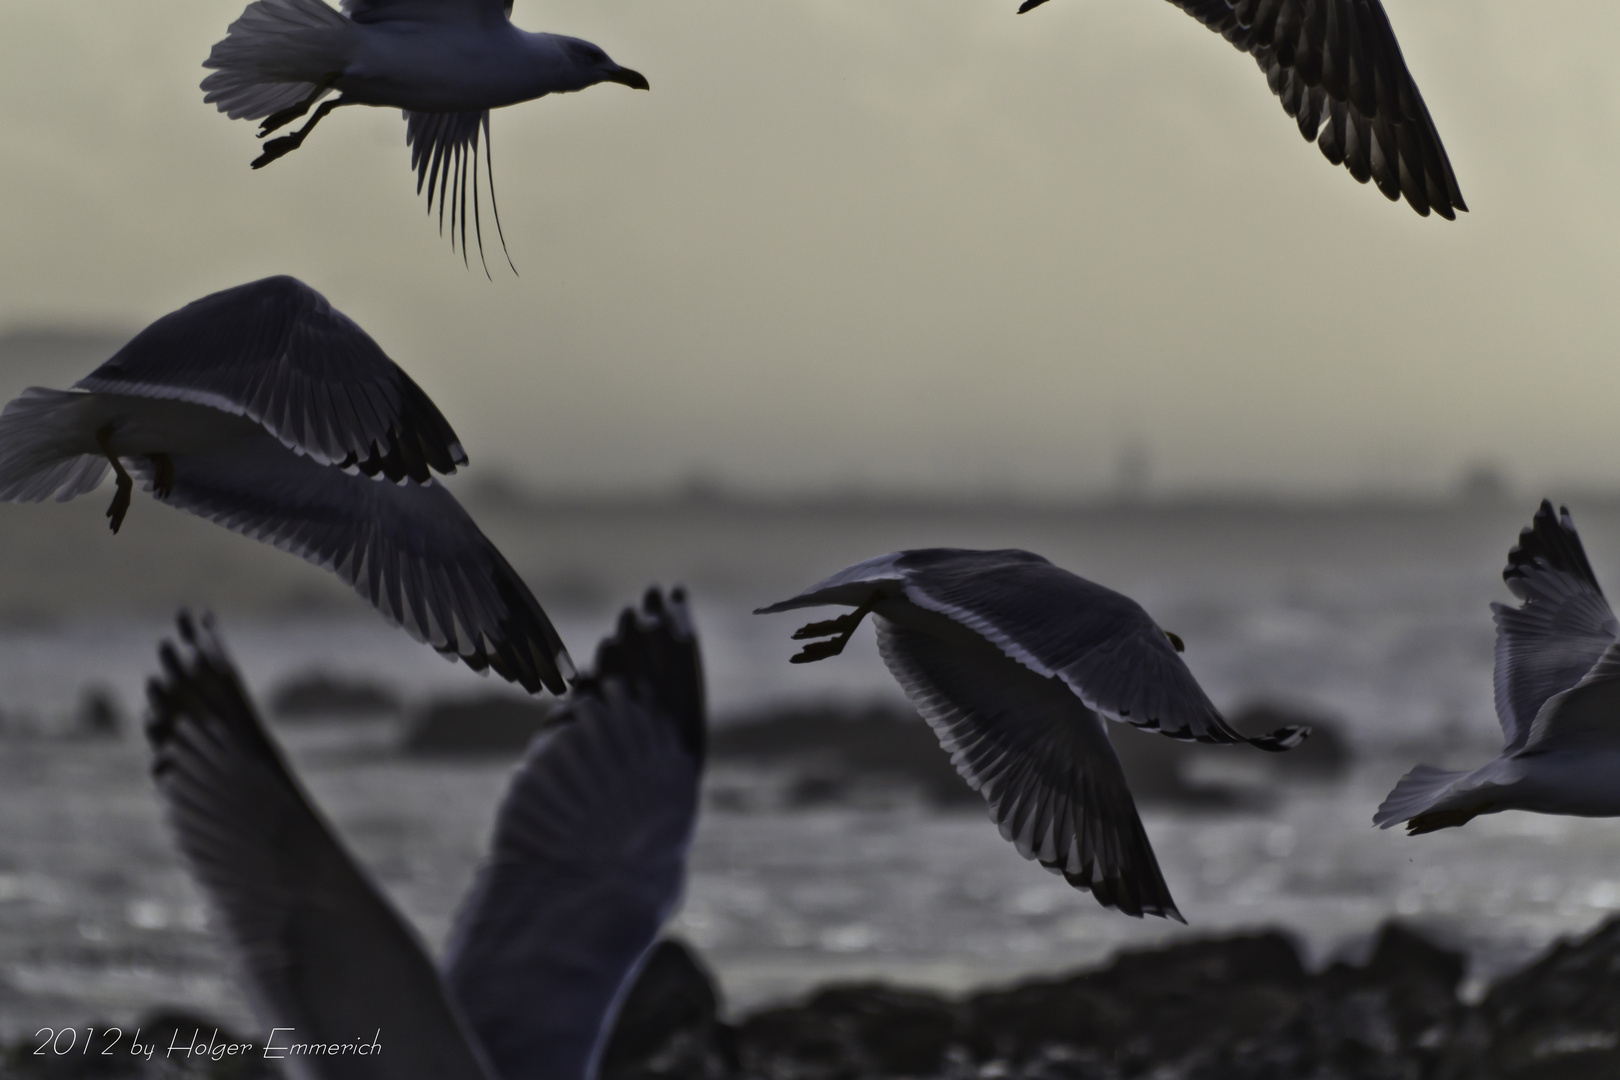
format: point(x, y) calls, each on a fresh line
point(635, 80)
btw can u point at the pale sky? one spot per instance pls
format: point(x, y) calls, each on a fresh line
point(891, 244)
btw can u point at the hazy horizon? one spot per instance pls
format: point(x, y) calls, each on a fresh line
point(909, 247)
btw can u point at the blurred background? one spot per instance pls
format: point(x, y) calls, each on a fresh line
point(851, 278)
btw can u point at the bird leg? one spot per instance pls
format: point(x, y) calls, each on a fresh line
point(285, 145)
point(120, 503)
point(163, 478)
point(281, 118)
point(838, 631)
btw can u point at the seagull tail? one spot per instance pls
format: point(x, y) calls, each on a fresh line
point(42, 443)
point(1424, 799)
point(275, 56)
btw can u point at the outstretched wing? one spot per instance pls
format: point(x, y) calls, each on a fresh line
point(278, 353)
point(1338, 70)
point(409, 549)
point(589, 854)
point(1040, 758)
point(1563, 627)
point(444, 150)
point(1108, 651)
point(325, 959)
point(370, 11)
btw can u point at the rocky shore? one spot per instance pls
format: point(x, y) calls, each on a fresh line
point(1236, 1008)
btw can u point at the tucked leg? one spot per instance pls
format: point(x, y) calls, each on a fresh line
point(277, 120)
point(163, 481)
point(277, 148)
point(126, 486)
point(841, 630)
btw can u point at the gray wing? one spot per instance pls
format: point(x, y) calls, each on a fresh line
point(1040, 758)
point(589, 855)
point(1101, 643)
point(1554, 637)
point(278, 353)
point(321, 952)
point(444, 155)
point(409, 549)
point(368, 11)
point(1338, 70)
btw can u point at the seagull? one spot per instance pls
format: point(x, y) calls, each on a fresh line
point(445, 63)
point(1014, 662)
point(1557, 683)
point(266, 410)
point(588, 862)
point(1338, 70)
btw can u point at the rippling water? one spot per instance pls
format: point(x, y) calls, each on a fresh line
point(1376, 617)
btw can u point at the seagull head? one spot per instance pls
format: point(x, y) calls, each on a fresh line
point(590, 65)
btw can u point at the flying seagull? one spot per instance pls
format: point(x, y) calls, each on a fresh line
point(587, 863)
point(264, 409)
point(1014, 662)
point(446, 63)
point(1557, 685)
point(1339, 73)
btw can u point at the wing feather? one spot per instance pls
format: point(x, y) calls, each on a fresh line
point(321, 951)
point(589, 854)
point(278, 353)
point(1040, 758)
point(395, 544)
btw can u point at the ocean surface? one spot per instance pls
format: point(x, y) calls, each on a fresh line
point(1374, 615)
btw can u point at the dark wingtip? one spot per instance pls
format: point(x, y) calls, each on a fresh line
point(1549, 540)
point(1284, 738)
point(1029, 5)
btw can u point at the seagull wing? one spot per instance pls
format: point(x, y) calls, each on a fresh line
point(1561, 630)
point(409, 549)
point(276, 352)
point(371, 11)
point(325, 959)
point(1040, 758)
point(444, 151)
point(1338, 70)
point(589, 854)
point(1108, 651)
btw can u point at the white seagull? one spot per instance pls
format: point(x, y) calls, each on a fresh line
point(265, 410)
point(1013, 662)
point(1557, 683)
point(587, 863)
point(1339, 73)
point(446, 63)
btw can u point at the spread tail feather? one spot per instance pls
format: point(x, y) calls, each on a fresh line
point(1416, 800)
point(41, 448)
point(276, 55)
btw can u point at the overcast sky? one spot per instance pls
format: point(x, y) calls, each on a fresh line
point(891, 244)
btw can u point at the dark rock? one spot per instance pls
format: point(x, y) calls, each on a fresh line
point(829, 746)
point(852, 1032)
point(491, 724)
point(321, 694)
point(669, 1025)
point(1558, 1019)
point(98, 715)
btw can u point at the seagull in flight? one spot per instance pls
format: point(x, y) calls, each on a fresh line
point(1557, 683)
point(445, 63)
point(1014, 663)
point(1338, 70)
point(264, 409)
point(587, 863)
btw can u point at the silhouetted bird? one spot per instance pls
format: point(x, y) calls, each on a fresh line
point(1339, 73)
point(587, 863)
point(265, 410)
point(1013, 662)
point(1557, 696)
point(446, 63)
